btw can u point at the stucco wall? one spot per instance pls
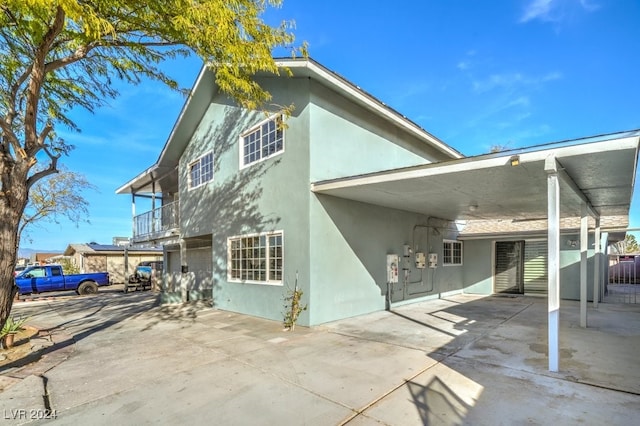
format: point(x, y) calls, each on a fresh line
point(271, 195)
point(349, 244)
point(478, 264)
point(570, 268)
point(478, 272)
point(348, 140)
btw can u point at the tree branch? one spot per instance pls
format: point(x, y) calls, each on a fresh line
point(37, 77)
point(9, 134)
point(82, 51)
point(53, 168)
point(44, 133)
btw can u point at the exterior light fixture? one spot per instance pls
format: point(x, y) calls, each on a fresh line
point(473, 207)
point(515, 160)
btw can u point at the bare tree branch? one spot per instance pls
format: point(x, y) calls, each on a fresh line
point(44, 133)
point(53, 168)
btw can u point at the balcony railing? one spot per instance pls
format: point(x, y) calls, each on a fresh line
point(156, 222)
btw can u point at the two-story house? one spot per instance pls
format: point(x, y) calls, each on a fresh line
point(356, 205)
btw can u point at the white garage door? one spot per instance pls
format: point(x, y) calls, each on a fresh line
point(173, 271)
point(535, 266)
point(200, 261)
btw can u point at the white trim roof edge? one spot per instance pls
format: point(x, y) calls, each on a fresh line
point(123, 189)
point(474, 163)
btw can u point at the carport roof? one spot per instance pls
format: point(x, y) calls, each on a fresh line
point(599, 170)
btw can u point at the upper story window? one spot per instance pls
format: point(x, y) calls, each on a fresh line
point(201, 171)
point(261, 142)
point(452, 253)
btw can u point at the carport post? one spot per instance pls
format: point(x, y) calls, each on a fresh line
point(597, 257)
point(584, 243)
point(553, 236)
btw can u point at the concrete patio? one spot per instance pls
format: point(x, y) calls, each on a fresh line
point(459, 360)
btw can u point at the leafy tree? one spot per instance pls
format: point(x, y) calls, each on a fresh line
point(56, 196)
point(68, 267)
point(59, 55)
point(499, 148)
point(630, 244)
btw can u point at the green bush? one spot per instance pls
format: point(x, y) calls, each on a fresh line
point(12, 326)
point(68, 267)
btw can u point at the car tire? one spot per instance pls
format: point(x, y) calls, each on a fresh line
point(88, 287)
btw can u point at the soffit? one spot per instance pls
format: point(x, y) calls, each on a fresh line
point(489, 187)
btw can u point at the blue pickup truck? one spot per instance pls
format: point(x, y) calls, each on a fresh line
point(40, 279)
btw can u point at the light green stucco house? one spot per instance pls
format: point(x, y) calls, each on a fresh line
point(251, 205)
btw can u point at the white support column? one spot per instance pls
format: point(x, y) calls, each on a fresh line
point(153, 206)
point(133, 214)
point(553, 235)
point(584, 245)
point(597, 259)
point(184, 276)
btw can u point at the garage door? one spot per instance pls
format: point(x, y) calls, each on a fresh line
point(535, 267)
point(200, 261)
point(173, 271)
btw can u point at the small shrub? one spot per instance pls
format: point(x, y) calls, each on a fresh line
point(293, 307)
point(12, 326)
point(68, 268)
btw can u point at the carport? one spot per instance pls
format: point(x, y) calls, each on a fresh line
point(589, 177)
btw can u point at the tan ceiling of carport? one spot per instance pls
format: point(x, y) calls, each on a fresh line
point(603, 170)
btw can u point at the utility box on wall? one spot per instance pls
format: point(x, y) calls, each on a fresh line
point(392, 268)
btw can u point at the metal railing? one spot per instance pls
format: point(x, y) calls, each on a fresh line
point(624, 269)
point(624, 279)
point(158, 220)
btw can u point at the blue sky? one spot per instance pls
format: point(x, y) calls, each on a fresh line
point(513, 73)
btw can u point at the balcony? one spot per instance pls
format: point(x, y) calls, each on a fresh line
point(160, 223)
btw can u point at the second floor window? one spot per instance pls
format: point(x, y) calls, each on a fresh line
point(201, 171)
point(263, 141)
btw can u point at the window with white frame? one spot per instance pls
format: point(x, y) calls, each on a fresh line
point(256, 258)
point(263, 141)
point(201, 171)
point(452, 253)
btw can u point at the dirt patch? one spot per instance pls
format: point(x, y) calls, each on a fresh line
point(22, 347)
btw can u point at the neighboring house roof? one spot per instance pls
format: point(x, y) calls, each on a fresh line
point(491, 228)
point(76, 248)
point(107, 249)
point(205, 89)
point(41, 257)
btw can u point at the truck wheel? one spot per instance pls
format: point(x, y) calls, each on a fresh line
point(88, 287)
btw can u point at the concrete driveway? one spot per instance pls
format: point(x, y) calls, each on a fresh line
point(123, 359)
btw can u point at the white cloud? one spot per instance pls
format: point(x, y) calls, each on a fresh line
point(555, 10)
point(538, 9)
point(589, 6)
point(512, 81)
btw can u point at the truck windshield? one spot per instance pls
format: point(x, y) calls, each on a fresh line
point(32, 272)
